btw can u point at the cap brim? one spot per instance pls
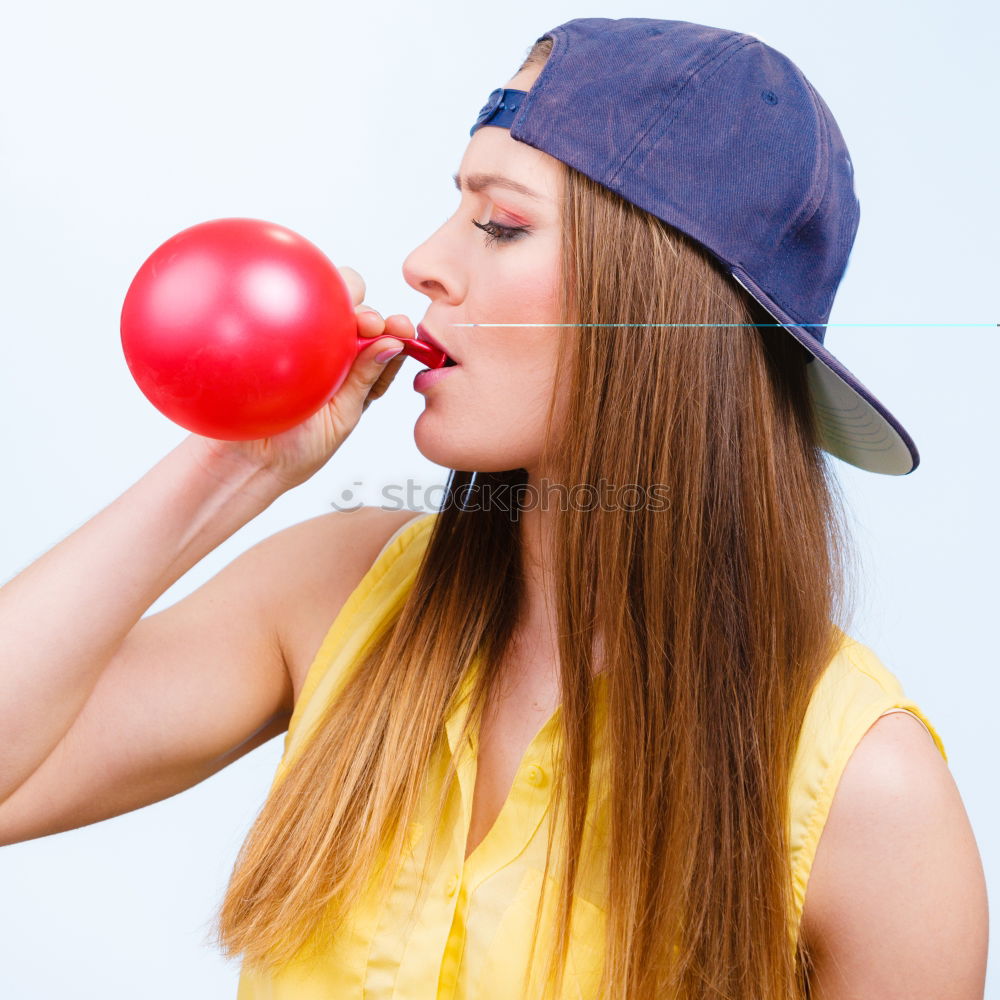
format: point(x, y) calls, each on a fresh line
point(854, 426)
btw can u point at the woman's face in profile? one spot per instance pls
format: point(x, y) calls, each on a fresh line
point(488, 413)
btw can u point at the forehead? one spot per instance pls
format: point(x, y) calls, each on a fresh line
point(492, 151)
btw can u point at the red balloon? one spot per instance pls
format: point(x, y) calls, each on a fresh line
point(239, 329)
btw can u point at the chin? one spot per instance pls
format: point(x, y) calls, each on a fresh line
point(459, 449)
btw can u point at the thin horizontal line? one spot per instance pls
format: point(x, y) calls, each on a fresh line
point(990, 325)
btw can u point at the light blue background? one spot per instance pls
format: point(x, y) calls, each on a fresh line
point(122, 123)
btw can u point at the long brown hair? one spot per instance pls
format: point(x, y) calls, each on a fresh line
point(730, 594)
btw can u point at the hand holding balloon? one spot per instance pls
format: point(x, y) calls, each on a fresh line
point(294, 455)
point(244, 332)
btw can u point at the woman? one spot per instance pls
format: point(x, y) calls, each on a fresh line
point(648, 710)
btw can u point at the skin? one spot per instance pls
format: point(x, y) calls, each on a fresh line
point(896, 902)
point(896, 905)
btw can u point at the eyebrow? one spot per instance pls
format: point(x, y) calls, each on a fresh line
point(477, 182)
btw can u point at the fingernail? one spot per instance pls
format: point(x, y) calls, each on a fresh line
point(383, 356)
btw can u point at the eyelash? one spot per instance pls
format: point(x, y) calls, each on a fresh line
point(497, 233)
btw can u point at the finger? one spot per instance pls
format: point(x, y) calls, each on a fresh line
point(384, 380)
point(355, 283)
point(381, 385)
point(370, 323)
point(398, 325)
point(366, 371)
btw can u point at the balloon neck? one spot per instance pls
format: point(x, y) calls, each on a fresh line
point(422, 352)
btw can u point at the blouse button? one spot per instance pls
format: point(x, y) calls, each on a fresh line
point(451, 886)
point(536, 775)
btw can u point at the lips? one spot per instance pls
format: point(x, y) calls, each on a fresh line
point(424, 335)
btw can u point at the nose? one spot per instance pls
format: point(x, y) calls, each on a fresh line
point(431, 269)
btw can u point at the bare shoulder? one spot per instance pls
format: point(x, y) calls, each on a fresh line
point(321, 561)
point(896, 901)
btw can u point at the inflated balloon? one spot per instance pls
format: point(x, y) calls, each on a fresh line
point(239, 329)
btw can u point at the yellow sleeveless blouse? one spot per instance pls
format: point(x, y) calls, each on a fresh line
point(467, 936)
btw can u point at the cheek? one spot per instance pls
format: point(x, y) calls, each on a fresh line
point(522, 284)
point(534, 296)
point(523, 289)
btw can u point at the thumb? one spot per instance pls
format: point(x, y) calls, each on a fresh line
point(369, 365)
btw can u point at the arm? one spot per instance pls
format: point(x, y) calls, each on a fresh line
point(64, 617)
point(896, 904)
point(198, 685)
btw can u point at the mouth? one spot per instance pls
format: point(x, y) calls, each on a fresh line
point(424, 335)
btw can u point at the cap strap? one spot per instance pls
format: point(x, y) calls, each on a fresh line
point(500, 108)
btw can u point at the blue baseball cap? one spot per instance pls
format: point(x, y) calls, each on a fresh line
point(722, 137)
